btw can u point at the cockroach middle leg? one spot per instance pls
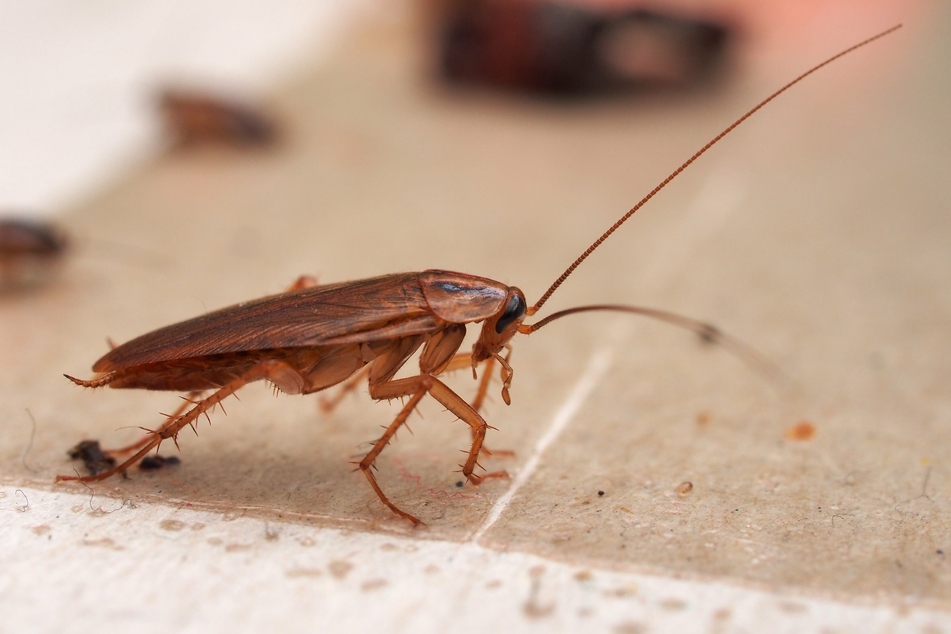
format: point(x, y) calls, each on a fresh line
point(416, 387)
point(367, 463)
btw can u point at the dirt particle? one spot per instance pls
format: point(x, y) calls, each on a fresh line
point(373, 584)
point(803, 430)
point(723, 614)
point(303, 572)
point(43, 529)
point(172, 525)
point(584, 575)
point(237, 548)
point(684, 488)
point(339, 569)
point(629, 590)
point(104, 542)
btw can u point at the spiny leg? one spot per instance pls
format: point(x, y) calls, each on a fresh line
point(141, 442)
point(172, 426)
point(416, 387)
point(488, 368)
point(366, 464)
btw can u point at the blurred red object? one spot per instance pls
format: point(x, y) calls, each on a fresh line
point(559, 48)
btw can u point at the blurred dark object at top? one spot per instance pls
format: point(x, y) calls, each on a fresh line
point(30, 252)
point(195, 118)
point(563, 49)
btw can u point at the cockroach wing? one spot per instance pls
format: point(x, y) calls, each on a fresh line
point(460, 298)
point(363, 311)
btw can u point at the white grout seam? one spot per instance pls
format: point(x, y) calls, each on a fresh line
point(590, 378)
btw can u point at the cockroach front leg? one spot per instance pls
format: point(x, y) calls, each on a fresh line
point(416, 388)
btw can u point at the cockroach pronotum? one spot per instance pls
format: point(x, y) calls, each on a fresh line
point(313, 337)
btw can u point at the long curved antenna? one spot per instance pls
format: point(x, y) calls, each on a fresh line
point(676, 172)
point(708, 332)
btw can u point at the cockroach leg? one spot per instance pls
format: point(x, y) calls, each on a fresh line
point(366, 464)
point(275, 371)
point(304, 281)
point(487, 369)
point(187, 401)
point(416, 387)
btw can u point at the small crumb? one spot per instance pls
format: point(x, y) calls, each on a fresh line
point(237, 548)
point(803, 430)
point(303, 572)
point(153, 463)
point(340, 569)
point(373, 584)
point(684, 488)
point(937, 552)
point(600, 493)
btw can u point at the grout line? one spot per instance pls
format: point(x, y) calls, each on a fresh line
point(597, 366)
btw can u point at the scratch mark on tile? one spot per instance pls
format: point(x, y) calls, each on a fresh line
point(590, 378)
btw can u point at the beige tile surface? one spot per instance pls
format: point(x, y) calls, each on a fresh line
point(819, 234)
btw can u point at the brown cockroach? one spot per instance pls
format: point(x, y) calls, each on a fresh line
point(30, 250)
point(313, 337)
point(193, 118)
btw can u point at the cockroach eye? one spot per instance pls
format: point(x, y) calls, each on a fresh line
point(513, 311)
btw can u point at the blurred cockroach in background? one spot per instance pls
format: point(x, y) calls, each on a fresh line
point(193, 118)
point(31, 252)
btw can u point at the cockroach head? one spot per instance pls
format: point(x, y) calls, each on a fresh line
point(499, 328)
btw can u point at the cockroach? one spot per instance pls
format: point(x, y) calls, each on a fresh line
point(30, 251)
point(192, 118)
point(314, 336)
